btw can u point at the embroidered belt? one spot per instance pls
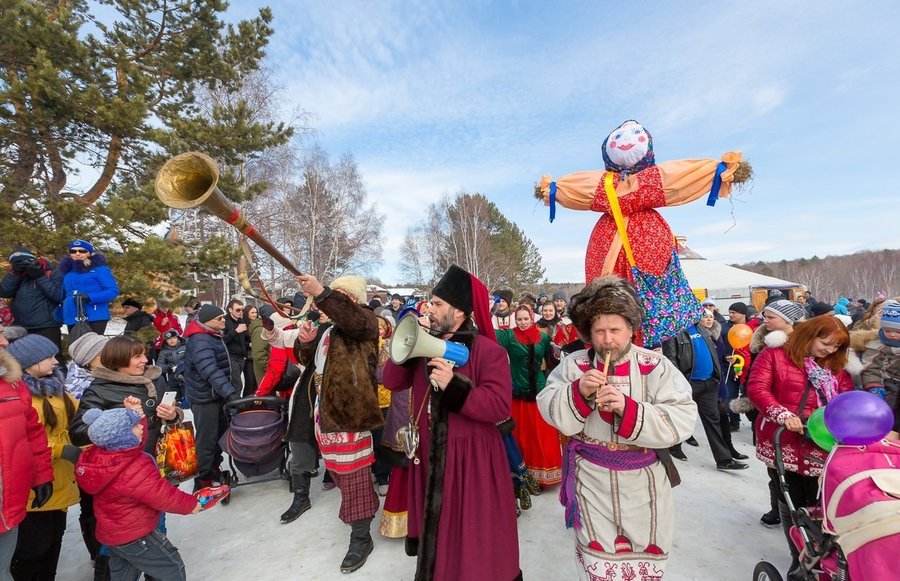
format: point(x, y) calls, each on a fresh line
point(622, 457)
point(611, 446)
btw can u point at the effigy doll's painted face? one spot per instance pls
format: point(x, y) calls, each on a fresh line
point(628, 144)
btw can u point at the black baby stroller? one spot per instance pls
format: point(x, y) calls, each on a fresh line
point(254, 440)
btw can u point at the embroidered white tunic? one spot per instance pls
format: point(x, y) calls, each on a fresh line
point(625, 515)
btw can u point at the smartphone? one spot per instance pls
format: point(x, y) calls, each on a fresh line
point(169, 397)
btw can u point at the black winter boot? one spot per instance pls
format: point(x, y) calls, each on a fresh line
point(361, 544)
point(101, 569)
point(301, 503)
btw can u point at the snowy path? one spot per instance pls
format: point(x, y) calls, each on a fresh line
point(717, 532)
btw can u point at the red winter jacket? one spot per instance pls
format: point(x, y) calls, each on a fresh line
point(129, 493)
point(776, 388)
point(164, 321)
point(24, 454)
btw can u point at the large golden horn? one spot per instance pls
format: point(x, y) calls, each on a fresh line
point(189, 180)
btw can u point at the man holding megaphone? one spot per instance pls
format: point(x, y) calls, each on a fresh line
point(462, 520)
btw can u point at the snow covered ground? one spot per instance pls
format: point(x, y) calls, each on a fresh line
point(717, 533)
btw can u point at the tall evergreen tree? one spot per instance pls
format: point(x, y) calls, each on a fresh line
point(94, 96)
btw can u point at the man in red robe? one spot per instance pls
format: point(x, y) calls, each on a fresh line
point(462, 519)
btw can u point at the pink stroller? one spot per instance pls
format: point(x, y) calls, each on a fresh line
point(855, 533)
point(861, 502)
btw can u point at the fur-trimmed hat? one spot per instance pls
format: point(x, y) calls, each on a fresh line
point(111, 429)
point(787, 310)
point(505, 294)
point(355, 286)
point(890, 315)
point(605, 295)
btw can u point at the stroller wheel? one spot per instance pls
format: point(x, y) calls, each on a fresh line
point(226, 480)
point(765, 571)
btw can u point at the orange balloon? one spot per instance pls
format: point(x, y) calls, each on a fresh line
point(739, 336)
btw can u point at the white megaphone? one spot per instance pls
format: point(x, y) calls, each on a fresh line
point(411, 340)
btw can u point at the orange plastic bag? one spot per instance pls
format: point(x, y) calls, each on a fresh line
point(176, 453)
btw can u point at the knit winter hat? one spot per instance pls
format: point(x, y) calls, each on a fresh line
point(129, 302)
point(890, 315)
point(111, 429)
point(355, 286)
point(21, 253)
point(559, 296)
point(787, 310)
point(84, 349)
point(209, 312)
point(708, 303)
point(32, 349)
point(83, 244)
point(170, 333)
point(14, 333)
point(847, 320)
point(738, 308)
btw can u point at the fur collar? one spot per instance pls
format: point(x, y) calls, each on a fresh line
point(151, 373)
point(854, 364)
point(860, 338)
point(10, 369)
point(53, 384)
point(715, 331)
point(763, 338)
point(67, 265)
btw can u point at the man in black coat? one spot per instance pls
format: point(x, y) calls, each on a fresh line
point(207, 385)
point(694, 354)
point(35, 287)
point(235, 337)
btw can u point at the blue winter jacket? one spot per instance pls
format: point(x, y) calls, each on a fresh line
point(207, 367)
point(96, 282)
point(34, 301)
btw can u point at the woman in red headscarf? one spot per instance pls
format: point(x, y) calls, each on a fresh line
point(530, 352)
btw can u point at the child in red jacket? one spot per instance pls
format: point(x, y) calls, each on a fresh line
point(129, 495)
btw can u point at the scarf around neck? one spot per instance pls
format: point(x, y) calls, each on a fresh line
point(823, 380)
point(530, 336)
point(52, 384)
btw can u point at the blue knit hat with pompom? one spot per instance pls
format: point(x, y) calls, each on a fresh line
point(111, 429)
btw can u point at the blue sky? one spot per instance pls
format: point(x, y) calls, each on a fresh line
point(432, 98)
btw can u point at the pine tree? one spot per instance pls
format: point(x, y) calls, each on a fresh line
point(92, 106)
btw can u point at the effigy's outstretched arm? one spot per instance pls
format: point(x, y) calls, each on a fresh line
point(686, 180)
point(575, 191)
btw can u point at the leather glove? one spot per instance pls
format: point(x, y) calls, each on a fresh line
point(268, 324)
point(42, 493)
point(35, 269)
point(70, 453)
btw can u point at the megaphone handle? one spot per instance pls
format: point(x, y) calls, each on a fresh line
point(433, 383)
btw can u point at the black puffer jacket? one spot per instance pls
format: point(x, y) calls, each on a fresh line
point(108, 390)
point(207, 368)
point(235, 343)
point(137, 321)
point(33, 300)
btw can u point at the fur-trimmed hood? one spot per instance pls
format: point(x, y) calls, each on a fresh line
point(860, 338)
point(67, 264)
point(763, 338)
point(10, 370)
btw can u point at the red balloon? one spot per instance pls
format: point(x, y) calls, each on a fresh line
point(739, 336)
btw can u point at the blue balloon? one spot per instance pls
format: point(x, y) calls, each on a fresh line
point(858, 418)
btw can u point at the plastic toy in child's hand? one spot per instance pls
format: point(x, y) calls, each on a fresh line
point(738, 363)
point(211, 495)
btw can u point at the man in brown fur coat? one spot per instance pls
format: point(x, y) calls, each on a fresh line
point(347, 407)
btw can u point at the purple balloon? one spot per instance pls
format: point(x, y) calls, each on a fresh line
point(858, 418)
